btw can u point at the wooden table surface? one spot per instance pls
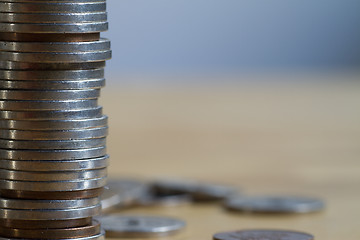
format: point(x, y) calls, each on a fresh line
point(276, 138)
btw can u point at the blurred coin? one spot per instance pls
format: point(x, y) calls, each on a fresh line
point(54, 57)
point(49, 37)
point(262, 235)
point(47, 105)
point(50, 214)
point(49, 94)
point(165, 200)
point(52, 7)
point(198, 190)
point(52, 176)
point(52, 144)
point(41, 224)
point(47, 204)
point(275, 204)
point(9, 65)
point(52, 195)
point(85, 27)
point(88, 133)
point(52, 114)
point(56, 47)
point(73, 185)
point(100, 236)
point(56, 166)
point(57, 75)
point(78, 232)
point(118, 226)
point(53, 85)
point(54, 125)
point(53, 17)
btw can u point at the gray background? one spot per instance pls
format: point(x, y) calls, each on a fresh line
point(223, 36)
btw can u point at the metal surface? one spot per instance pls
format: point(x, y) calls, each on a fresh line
point(275, 204)
point(53, 85)
point(262, 235)
point(53, 17)
point(49, 95)
point(53, 7)
point(47, 105)
point(58, 75)
point(140, 226)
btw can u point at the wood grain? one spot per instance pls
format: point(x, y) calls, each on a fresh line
point(299, 138)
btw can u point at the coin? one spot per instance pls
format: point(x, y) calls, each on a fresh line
point(56, 166)
point(50, 214)
point(52, 176)
point(44, 233)
point(275, 204)
point(9, 65)
point(51, 195)
point(53, 85)
point(100, 236)
point(88, 133)
point(85, 27)
point(52, 7)
point(164, 200)
point(140, 226)
point(47, 204)
point(57, 75)
point(47, 105)
point(262, 235)
point(49, 37)
point(52, 144)
point(41, 224)
point(54, 125)
point(53, 17)
point(52, 114)
point(49, 94)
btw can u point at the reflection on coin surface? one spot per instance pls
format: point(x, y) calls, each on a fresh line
point(263, 235)
point(140, 226)
point(275, 204)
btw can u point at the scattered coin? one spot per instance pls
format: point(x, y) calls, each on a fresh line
point(118, 226)
point(263, 235)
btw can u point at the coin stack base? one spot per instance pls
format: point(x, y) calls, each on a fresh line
point(52, 132)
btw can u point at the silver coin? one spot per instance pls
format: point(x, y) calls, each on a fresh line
point(54, 57)
point(54, 17)
point(49, 95)
point(49, 115)
point(198, 190)
point(57, 75)
point(56, 166)
point(275, 204)
point(50, 214)
point(53, 144)
point(53, 125)
point(55, 1)
point(51, 186)
point(123, 193)
point(49, 7)
point(260, 234)
point(53, 85)
point(47, 105)
point(52, 176)
point(47, 204)
point(88, 133)
point(9, 65)
point(165, 200)
point(100, 236)
point(140, 226)
point(57, 47)
point(86, 27)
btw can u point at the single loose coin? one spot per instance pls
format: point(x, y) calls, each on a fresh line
point(118, 226)
point(52, 176)
point(53, 85)
point(87, 133)
point(9, 65)
point(165, 200)
point(78, 232)
point(52, 195)
point(47, 105)
point(263, 235)
point(56, 166)
point(49, 94)
point(54, 125)
point(57, 75)
point(8, 203)
point(49, 37)
point(52, 114)
point(275, 204)
point(52, 144)
point(40, 224)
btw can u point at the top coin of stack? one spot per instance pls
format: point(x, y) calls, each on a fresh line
point(52, 131)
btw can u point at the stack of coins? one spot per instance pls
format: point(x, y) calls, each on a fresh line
point(52, 132)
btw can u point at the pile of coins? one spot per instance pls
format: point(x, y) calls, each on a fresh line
point(52, 131)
